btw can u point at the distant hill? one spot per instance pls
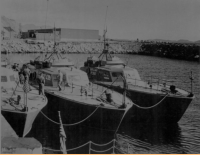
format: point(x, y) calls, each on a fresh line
point(173, 41)
point(184, 41)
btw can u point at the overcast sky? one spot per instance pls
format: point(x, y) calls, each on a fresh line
point(126, 19)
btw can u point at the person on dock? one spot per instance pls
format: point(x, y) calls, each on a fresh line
point(60, 79)
point(41, 82)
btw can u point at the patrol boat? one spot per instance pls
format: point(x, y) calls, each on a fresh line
point(19, 108)
point(81, 102)
point(153, 101)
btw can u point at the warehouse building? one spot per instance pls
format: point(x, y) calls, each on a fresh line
point(64, 34)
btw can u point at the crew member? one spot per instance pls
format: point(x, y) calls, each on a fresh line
point(41, 82)
point(26, 72)
point(60, 79)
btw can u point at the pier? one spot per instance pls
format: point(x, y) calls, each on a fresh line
point(12, 144)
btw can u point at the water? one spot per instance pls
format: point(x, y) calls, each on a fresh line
point(141, 138)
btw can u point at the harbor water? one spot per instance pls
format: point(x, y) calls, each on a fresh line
point(183, 137)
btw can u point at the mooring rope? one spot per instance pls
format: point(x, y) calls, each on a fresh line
point(14, 90)
point(103, 144)
point(72, 123)
point(121, 121)
point(153, 105)
point(78, 147)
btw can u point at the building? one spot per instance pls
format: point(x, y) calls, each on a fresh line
point(64, 34)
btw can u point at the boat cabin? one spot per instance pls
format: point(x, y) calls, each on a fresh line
point(9, 78)
point(112, 74)
point(96, 62)
point(70, 76)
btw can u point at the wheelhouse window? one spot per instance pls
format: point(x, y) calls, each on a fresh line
point(4, 79)
point(104, 76)
point(74, 78)
point(116, 74)
point(47, 77)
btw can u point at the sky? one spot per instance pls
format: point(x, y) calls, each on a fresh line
point(126, 19)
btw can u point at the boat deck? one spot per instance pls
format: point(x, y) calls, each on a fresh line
point(34, 101)
point(145, 87)
point(94, 97)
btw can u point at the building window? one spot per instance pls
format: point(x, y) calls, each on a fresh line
point(4, 79)
point(12, 78)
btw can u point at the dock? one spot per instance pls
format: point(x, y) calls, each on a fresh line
point(12, 144)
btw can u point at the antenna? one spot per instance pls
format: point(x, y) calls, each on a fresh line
point(105, 27)
point(20, 30)
point(46, 19)
point(105, 45)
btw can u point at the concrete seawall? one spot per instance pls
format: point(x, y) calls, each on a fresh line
point(190, 52)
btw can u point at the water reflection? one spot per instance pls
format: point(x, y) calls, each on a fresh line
point(152, 138)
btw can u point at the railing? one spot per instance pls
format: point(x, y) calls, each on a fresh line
point(95, 148)
point(88, 88)
point(151, 81)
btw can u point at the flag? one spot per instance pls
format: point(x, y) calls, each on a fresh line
point(62, 140)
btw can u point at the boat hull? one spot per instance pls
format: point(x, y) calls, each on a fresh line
point(72, 112)
point(21, 122)
point(169, 111)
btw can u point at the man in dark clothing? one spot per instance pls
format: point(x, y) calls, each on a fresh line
point(26, 72)
point(60, 79)
point(41, 82)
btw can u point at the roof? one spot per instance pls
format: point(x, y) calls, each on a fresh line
point(54, 70)
point(115, 69)
point(109, 68)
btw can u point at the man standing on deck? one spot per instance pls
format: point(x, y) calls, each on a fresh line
point(60, 79)
point(41, 82)
point(27, 72)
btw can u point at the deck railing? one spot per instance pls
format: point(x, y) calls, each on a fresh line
point(151, 81)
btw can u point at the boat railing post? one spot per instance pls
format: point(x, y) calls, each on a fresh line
point(72, 87)
point(89, 147)
point(114, 146)
point(127, 147)
point(92, 90)
point(191, 79)
point(157, 84)
point(26, 102)
point(81, 90)
point(86, 93)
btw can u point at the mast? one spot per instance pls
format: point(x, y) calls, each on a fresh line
point(105, 45)
point(45, 20)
